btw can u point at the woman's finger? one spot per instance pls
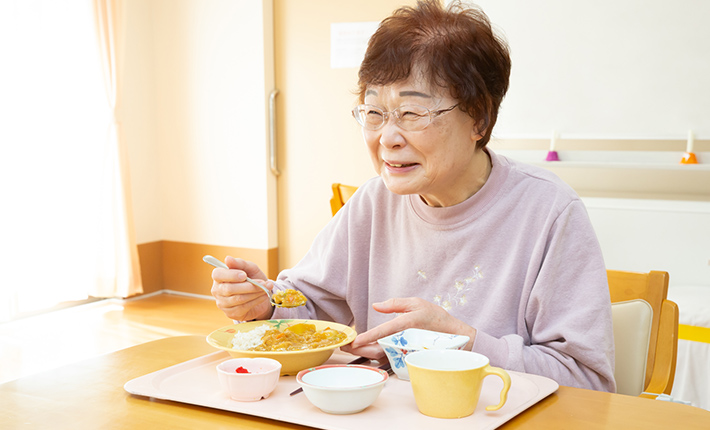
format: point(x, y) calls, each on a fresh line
point(371, 351)
point(398, 305)
point(395, 326)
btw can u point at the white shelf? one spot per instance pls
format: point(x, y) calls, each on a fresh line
point(619, 165)
point(654, 160)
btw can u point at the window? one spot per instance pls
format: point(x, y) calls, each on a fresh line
point(54, 120)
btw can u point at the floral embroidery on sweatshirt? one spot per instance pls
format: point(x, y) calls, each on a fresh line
point(457, 295)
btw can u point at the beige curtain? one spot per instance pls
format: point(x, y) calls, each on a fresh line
point(117, 257)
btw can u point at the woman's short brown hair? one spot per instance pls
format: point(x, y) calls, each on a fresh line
point(455, 48)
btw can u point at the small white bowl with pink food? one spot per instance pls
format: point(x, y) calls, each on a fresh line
point(249, 379)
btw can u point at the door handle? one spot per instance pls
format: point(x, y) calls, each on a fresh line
point(272, 133)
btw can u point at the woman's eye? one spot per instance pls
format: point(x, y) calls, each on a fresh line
point(408, 114)
point(373, 113)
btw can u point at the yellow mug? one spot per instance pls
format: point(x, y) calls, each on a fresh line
point(447, 383)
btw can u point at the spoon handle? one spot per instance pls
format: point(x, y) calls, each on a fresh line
point(216, 263)
point(253, 282)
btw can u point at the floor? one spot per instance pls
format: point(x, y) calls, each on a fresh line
point(54, 339)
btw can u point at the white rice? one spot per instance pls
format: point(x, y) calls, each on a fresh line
point(249, 339)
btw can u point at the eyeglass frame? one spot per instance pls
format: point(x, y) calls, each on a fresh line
point(386, 115)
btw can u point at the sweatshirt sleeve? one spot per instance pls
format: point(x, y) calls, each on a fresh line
point(566, 313)
point(322, 275)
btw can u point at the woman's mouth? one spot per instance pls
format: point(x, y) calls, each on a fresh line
point(397, 168)
point(400, 165)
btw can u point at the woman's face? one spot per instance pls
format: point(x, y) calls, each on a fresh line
point(440, 163)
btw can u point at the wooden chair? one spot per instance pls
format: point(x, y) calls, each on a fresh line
point(341, 194)
point(630, 293)
point(645, 324)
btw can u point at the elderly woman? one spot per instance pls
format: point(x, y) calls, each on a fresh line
point(450, 236)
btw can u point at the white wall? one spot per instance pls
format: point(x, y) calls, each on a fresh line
point(608, 68)
point(644, 235)
point(199, 130)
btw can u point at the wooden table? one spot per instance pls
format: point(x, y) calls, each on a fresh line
point(90, 395)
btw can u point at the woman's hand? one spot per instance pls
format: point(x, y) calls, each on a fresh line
point(414, 313)
point(238, 299)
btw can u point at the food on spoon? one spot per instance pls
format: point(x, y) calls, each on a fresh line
point(241, 369)
point(298, 337)
point(289, 298)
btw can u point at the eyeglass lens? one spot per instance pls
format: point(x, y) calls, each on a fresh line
point(410, 117)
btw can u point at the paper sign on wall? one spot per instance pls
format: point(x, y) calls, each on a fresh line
point(348, 42)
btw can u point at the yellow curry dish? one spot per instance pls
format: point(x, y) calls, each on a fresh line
point(289, 298)
point(296, 348)
point(299, 337)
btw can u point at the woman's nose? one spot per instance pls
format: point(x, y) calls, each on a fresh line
point(390, 134)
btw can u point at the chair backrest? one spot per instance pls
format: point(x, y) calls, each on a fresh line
point(630, 317)
point(341, 194)
point(652, 288)
point(632, 332)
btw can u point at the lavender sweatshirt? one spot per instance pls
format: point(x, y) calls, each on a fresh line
point(518, 261)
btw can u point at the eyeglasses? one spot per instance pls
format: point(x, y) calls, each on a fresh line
point(409, 117)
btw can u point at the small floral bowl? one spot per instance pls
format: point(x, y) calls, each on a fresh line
point(400, 344)
point(249, 379)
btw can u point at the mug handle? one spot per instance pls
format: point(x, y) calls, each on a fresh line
point(490, 370)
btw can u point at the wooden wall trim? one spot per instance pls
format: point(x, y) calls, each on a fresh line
point(151, 260)
point(178, 266)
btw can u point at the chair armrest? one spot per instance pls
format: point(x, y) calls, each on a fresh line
point(666, 351)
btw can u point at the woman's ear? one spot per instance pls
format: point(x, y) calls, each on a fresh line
point(478, 131)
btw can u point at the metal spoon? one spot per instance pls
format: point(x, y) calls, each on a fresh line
point(216, 263)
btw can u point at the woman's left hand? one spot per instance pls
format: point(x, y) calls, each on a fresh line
point(414, 313)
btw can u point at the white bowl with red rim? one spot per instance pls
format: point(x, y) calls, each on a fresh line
point(249, 379)
point(342, 388)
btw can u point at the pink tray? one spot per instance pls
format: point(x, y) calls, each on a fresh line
point(195, 382)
